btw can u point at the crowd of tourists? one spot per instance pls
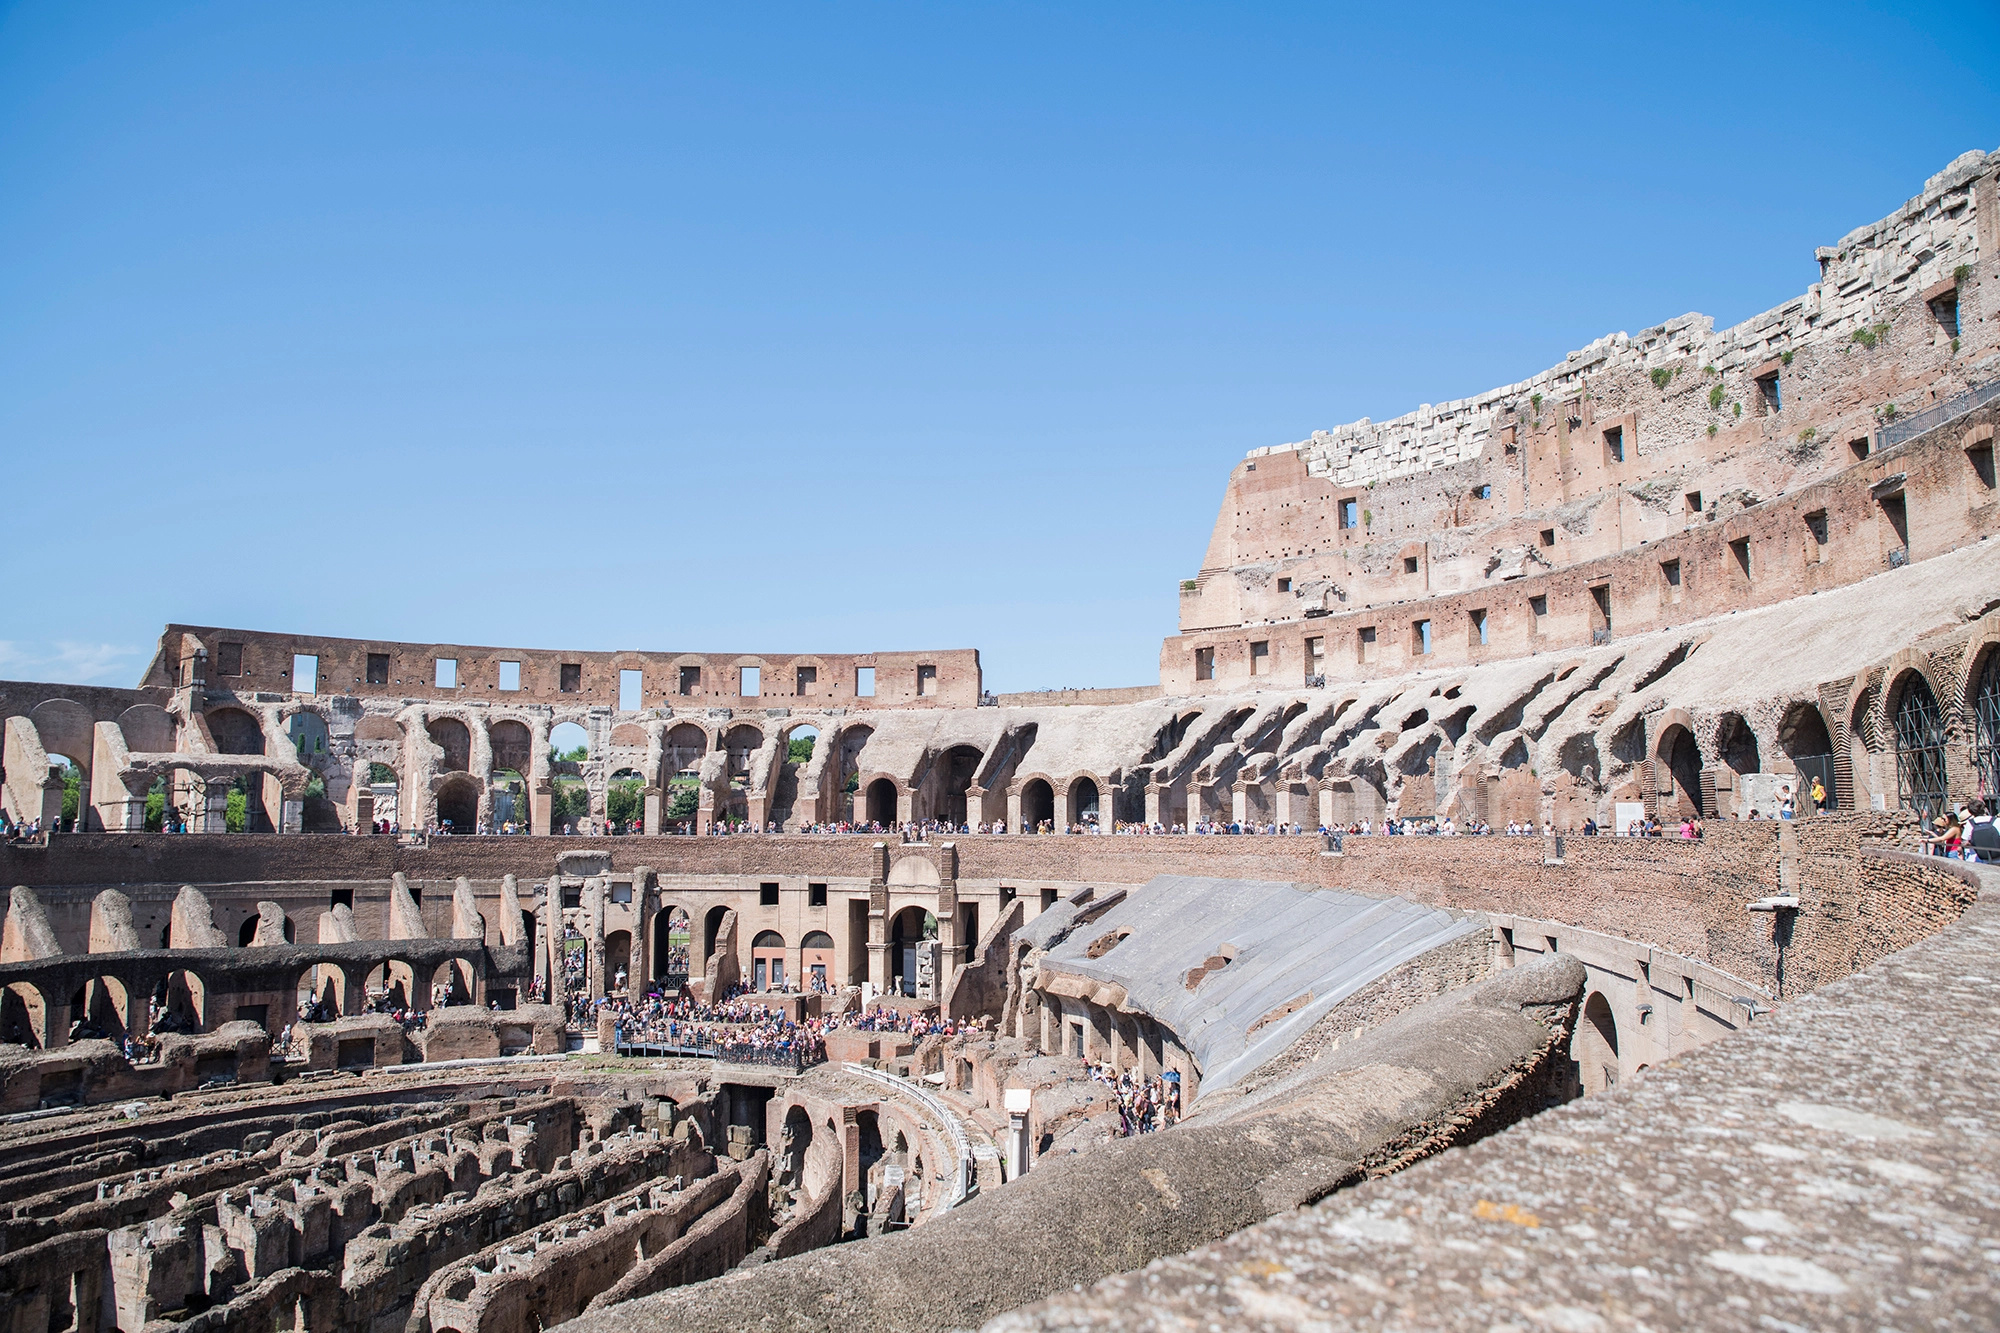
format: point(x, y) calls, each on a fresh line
point(1144, 1104)
point(1967, 832)
point(730, 1026)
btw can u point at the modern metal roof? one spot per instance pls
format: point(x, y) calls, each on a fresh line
point(1289, 943)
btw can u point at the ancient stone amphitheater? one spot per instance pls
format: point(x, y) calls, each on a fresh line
point(335, 979)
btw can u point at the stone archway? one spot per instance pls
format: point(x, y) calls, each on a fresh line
point(1595, 1045)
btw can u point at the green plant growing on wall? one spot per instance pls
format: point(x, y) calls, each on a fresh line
point(1535, 400)
point(1962, 274)
point(1367, 518)
point(1188, 585)
point(1808, 435)
point(1708, 369)
point(1954, 345)
point(1887, 412)
point(1661, 377)
point(1786, 359)
point(1736, 408)
point(1715, 397)
point(1711, 428)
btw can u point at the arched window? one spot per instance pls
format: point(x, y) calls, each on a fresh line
point(1920, 748)
point(1986, 725)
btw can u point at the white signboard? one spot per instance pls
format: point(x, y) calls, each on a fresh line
point(1627, 813)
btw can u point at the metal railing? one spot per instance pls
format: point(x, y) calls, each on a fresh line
point(961, 1174)
point(1909, 427)
point(795, 1059)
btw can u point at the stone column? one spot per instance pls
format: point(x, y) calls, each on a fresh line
point(975, 806)
point(1281, 802)
point(653, 806)
point(593, 913)
point(215, 806)
point(1014, 808)
point(1239, 803)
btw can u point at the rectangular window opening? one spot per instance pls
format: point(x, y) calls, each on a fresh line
point(1945, 310)
point(815, 895)
point(1694, 502)
point(1260, 657)
point(1859, 448)
point(1350, 513)
point(1897, 511)
point(228, 659)
point(808, 677)
point(753, 682)
point(1981, 457)
point(690, 680)
point(510, 676)
point(1670, 571)
point(1740, 548)
point(1482, 493)
point(1479, 628)
point(864, 682)
point(1614, 443)
point(1768, 399)
point(1548, 536)
point(378, 668)
point(1284, 585)
point(926, 681)
point(445, 673)
point(631, 689)
point(1409, 564)
point(1420, 638)
point(1365, 643)
point(305, 673)
point(1316, 657)
point(1816, 526)
point(1539, 608)
point(569, 679)
point(1204, 664)
point(767, 895)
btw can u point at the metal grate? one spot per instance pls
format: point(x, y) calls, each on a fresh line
point(1920, 750)
point(1986, 727)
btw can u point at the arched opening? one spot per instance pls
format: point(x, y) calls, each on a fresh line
point(1736, 744)
point(816, 965)
point(180, 1004)
point(739, 744)
point(869, 1130)
point(1084, 801)
point(458, 805)
point(450, 984)
point(74, 800)
point(907, 930)
point(846, 771)
point(569, 743)
point(800, 742)
point(388, 986)
point(101, 1008)
point(625, 801)
point(235, 731)
point(882, 802)
point(681, 752)
point(509, 795)
point(1038, 805)
point(796, 1137)
point(1920, 772)
point(767, 961)
point(956, 769)
point(513, 745)
point(618, 961)
point(307, 730)
point(23, 1015)
point(322, 992)
point(1684, 767)
point(1985, 700)
point(711, 928)
point(1804, 737)
point(455, 739)
point(671, 937)
point(1595, 1046)
point(246, 932)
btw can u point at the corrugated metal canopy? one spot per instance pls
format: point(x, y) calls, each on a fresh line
point(1289, 943)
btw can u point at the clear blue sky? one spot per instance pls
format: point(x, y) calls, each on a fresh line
point(838, 327)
